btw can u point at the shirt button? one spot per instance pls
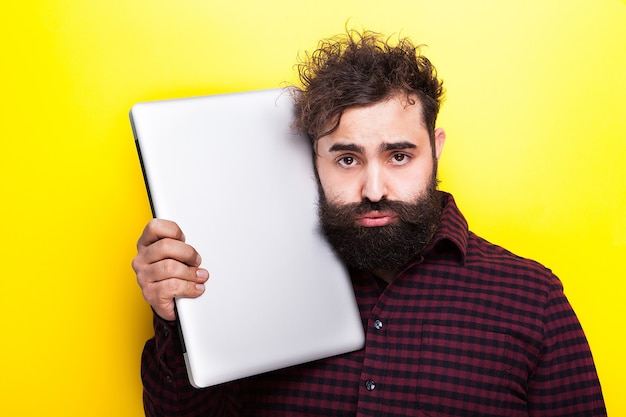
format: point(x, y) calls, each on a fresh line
point(378, 324)
point(166, 331)
point(370, 385)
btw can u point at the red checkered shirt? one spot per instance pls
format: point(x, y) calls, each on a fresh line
point(467, 329)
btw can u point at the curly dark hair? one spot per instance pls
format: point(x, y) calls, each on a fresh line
point(356, 69)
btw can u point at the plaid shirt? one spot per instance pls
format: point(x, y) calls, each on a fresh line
point(467, 329)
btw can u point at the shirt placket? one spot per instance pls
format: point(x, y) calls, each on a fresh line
point(375, 364)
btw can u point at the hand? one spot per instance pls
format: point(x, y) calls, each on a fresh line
point(167, 267)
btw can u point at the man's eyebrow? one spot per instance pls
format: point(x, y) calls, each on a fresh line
point(351, 147)
point(394, 146)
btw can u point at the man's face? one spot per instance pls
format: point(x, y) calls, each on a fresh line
point(378, 205)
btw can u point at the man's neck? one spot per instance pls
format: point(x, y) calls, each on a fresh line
point(386, 276)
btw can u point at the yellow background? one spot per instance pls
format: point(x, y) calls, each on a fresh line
point(536, 157)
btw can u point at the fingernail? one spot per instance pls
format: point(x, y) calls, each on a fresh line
point(199, 287)
point(198, 259)
point(202, 273)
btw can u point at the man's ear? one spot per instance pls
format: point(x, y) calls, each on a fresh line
point(440, 139)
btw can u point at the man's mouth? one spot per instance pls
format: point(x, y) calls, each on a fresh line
point(376, 218)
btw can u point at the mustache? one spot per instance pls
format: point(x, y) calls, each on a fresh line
point(346, 214)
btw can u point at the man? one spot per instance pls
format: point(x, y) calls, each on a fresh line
point(455, 326)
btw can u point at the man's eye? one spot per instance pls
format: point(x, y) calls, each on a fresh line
point(346, 161)
point(400, 158)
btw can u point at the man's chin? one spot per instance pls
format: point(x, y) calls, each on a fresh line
point(373, 248)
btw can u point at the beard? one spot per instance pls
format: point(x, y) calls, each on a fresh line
point(385, 248)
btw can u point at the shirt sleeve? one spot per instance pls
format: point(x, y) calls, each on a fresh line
point(166, 387)
point(565, 382)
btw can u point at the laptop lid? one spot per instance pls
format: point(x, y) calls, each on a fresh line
point(240, 184)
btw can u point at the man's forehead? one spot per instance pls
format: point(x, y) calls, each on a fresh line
point(406, 100)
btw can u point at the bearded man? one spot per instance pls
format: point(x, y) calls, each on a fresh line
point(455, 326)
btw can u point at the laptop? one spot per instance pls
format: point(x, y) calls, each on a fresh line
point(229, 170)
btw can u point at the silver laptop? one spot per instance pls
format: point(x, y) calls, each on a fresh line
point(230, 171)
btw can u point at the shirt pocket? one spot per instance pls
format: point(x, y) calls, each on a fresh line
point(465, 372)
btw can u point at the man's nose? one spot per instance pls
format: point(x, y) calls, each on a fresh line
point(374, 185)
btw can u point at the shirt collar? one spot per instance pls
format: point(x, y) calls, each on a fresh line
point(452, 233)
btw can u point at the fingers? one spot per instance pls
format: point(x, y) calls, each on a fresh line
point(161, 294)
point(158, 229)
point(169, 248)
point(167, 267)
